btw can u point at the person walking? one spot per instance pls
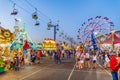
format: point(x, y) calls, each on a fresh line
point(55, 56)
point(81, 60)
point(94, 61)
point(77, 54)
point(59, 56)
point(63, 53)
point(39, 54)
point(114, 66)
point(16, 62)
point(87, 59)
point(33, 56)
point(68, 54)
point(106, 60)
point(22, 60)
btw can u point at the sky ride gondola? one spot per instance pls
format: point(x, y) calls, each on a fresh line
point(37, 23)
point(35, 16)
point(15, 11)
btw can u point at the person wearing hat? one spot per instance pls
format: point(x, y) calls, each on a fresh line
point(114, 66)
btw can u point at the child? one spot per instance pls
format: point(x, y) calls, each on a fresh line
point(94, 60)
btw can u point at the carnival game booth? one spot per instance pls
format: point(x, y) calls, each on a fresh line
point(113, 42)
point(48, 45)
point(6, 37)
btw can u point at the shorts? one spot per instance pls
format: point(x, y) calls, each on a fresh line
point(94, 61)
point(87, 59)
point(78, 59)
point(81, 61)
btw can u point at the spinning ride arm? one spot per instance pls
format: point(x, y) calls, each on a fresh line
point(15, 40)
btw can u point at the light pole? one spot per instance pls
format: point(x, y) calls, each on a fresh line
point(71, 41)
point(16, 27)
point(56, 28)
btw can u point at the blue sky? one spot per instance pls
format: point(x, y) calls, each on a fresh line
point(70, 13)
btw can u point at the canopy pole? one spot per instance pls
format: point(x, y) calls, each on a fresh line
point(113, 40)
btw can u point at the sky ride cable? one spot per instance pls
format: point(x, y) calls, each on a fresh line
point(29, 11)
point(37, 10)
point(22, 34)
point(25, 10)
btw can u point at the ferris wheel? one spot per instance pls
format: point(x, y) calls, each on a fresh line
point(98, 26)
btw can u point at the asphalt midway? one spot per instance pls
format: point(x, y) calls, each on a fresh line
point(48, 70)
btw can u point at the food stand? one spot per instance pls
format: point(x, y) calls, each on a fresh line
point(49, 44)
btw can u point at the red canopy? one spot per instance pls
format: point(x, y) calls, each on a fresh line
point(112, 39)
point(26, 45)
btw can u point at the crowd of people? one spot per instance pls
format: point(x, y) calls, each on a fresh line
point(84, 59)
point(110, 60)
point(60, 54)
point(34, 56)
point(20, 59)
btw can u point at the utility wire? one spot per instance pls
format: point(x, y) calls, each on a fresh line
point(19, 6)
point(26, 5)
point(37, 9)
point(40, 13)
point(30, 12)
point(25, 10)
